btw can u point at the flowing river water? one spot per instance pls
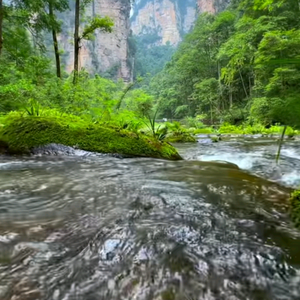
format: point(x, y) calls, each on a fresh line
point(93, 227)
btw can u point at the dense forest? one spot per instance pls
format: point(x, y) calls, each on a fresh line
point(241, 65)
point(32, 78)
point(150, 58)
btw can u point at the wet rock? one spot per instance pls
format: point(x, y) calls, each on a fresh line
point(58, 149)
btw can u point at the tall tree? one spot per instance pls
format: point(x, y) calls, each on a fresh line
point(55, 43)
point(55, 28)
point(76, 40)
point(39, 16)
point(105, 24)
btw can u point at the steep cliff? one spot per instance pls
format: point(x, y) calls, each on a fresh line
point(167, 20)
point(160, 21)
point(109, 52)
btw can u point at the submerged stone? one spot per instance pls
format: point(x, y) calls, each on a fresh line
point(24, 134)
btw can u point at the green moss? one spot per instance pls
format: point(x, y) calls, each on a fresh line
point(21, 134)
point(295, 207)
point(181, 138)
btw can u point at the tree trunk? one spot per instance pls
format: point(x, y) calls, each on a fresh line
point(76, 41)
point(244, 87)
point(220, 93)
point(250, 86)
point(55, 43)
point(1, 23)
point(230, 96)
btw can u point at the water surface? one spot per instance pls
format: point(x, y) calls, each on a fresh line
point(98, 227)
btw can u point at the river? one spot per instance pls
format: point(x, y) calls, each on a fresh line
point(93, 227)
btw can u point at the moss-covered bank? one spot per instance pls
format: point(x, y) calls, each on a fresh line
point(21, 134)
point(295, 207)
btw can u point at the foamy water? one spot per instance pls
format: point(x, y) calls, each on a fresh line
point(256, 156)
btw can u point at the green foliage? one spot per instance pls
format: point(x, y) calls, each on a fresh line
point(194, 122)
point(181, 110)
point(242, 64)
point(178, 134)
point(176, 128)
point(139, 101)
point(33, 109)
point(190, 79)
point(205, 130)
point(149, 58)
point(104, 24)
point(227, 128)
point(235, 115)
point(154, 129)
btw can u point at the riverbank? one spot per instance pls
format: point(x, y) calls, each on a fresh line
point(228, 129)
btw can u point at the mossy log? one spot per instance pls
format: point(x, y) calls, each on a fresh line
point(22, 134)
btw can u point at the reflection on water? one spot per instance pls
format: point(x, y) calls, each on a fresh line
point(104, 228)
